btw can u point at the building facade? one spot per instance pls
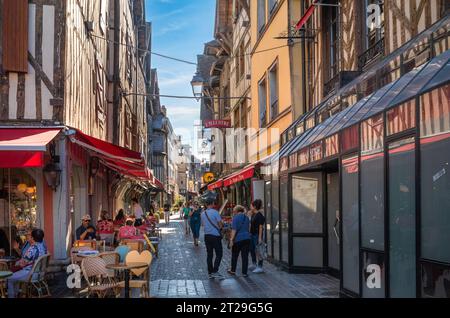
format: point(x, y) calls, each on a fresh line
point(70, 108)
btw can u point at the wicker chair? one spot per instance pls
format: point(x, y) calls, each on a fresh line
point(110, 258)
point(3, 267)
point(35, 286)
point(74, 258)
point(96, 275)
point(144, 274)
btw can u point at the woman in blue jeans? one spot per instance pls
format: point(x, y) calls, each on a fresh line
point(239, 240)
point(195, 222)
point(256, 229)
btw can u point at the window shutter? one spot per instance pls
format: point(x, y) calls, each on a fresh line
point(15, 35)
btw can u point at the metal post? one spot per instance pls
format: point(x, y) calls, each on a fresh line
point(9, 211)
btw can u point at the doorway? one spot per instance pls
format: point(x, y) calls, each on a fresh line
point(333, 222)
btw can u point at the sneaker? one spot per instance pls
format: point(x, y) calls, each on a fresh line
point(244, 275)
point(252, 267)
point(217, 275)
point(210, 276)
point(231, 272)
point(258, 270)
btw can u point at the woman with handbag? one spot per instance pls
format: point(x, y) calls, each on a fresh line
point(240, 240)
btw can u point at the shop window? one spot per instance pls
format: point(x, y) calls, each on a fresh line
point(307, 203)
point(435, 174)
point(435, 280)
point(332, 145)
point(349, 138)
point(18, 199)
point(276, 218)
point(401, 118)
point(308, 251)
point(402, 216)
point(268, 215)
point(350, 223)
point(372, 183)
point(316, 151)
point(303, 157)
point(284, 221)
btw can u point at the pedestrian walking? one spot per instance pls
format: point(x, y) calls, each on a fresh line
point(186, 211)
point(212, 225)
point(167, 213)
point(239, 240)
point(257, 230)
point(195, 222)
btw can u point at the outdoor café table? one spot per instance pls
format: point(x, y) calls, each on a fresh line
point(126, 268)
point(4, 275)
point(8, 261)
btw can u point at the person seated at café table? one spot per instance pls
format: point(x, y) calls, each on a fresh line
point(105, 225)
point(86, 231)
point(120, 218)
point(20, 248)
point(129, 231)
point(23, 266)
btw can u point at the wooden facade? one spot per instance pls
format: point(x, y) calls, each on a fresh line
point(401, 21)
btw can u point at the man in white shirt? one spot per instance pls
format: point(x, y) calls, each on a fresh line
point(138, 212)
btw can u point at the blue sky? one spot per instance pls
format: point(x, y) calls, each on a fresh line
point(180, 28)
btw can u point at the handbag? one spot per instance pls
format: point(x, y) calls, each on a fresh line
point(215, 226)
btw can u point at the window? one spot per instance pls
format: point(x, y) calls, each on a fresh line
point(273, 92)
point(331, 41)
point(272, 6)
point(262, 103)
point(435, 174)
point(350, 221)
point(372, 183)
point(240, 63)
point(15, 36)
point(261, 15)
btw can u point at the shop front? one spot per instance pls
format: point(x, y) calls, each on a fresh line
point(364, 194)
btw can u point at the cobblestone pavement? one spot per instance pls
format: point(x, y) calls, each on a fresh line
point(180, 271)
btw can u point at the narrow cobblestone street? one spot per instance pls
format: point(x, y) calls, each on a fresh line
point(180, 271)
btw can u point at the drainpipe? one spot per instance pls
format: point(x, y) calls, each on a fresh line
point(116, 93)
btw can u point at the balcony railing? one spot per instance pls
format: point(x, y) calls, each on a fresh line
point(374, 51)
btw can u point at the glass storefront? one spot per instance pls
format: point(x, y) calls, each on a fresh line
point(275, 226)
point(350, 223)
point(18, 202)
point(284, 220)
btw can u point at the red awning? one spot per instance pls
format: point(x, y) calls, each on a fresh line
point(215, 185)
point(241, 175)
point(125, 161)
point(24, 147)
point(306, 16)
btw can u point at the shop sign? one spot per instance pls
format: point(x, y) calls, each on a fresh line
point(217, 123)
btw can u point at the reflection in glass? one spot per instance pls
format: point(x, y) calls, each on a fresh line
point(372, 183)
point(402, 214)
point(284, 218)
point(435, 174)
point(435, 280)
point(350, 224)
point(275, 218)
point(307, 203)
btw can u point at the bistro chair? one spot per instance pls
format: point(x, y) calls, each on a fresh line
point(134, 245)
point(74, 258)
point(110, 258)
point(35, 285)
point(143, 284)
point(122, 250)
point(96, 275)
point(3, 267)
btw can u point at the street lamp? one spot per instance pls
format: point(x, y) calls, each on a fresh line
point(52, 174)
point(197, 86)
